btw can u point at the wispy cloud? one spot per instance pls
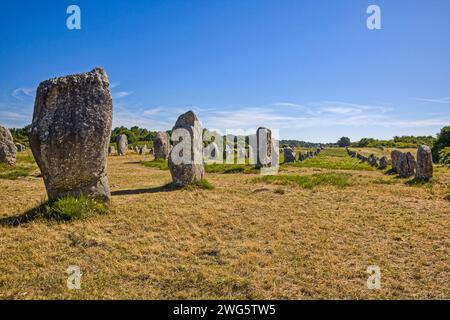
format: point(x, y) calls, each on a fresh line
point(154, 111)
point(8, 115)
point(22, 93)
point(439, 100)
point(122, 94)
point(114, 85)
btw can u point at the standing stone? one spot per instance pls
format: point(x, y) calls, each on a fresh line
point(111, 150)
point(383, 163)
point(407, 165)
point(289, 155)
point(264, 147)
point(184, 168)
point(136, 149)
point(373, 161)
point(20, 147)
point(395, 159)
point(122, 144)
point(424, 168)
point(8, 150)
point(161, 145)
point(143, 150)
point(70, 134)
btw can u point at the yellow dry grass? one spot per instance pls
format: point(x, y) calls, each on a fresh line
point(240, 240)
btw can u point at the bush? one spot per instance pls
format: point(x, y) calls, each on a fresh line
point(444, 156)
point(442, 142)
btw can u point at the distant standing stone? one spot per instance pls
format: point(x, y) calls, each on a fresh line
point(407, 165)
point(111, 150)
point(122, 144)
point(383, 163)
point(187, 168)
point(424, 168)
point(289, 155)
point(395, 159)
point(70, 134)
point(143, 150)
point(264, 147)
point(20, 147)
point(8, 150)
point(373, 161)
point(161, 145)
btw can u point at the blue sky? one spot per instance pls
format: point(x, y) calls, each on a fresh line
point(311, 69)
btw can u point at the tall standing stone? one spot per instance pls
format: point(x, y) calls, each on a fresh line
point(70, 134)
point(8, 150)
point(143, 150)
point(424, 168)
point(373, 161)
point(289, 155)
point(395, 159)
point(111, 150)
point(407, 165)
point(383, 163)
point(186, 156)
point(264, 147)
point(20, 147)
point(161, 145)
point(122, 144)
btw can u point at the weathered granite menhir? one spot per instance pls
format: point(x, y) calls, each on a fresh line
point(70, 134)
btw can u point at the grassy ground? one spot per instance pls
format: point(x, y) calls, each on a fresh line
point(309, 233)
point(24, 167)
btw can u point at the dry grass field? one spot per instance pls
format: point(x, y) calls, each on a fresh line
point(248, 238)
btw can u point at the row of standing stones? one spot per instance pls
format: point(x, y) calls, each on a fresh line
point(70, 135)
point(403, 163)
point(290, 157)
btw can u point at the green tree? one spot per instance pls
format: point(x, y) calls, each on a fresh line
point(344, 142)
point(442, 141)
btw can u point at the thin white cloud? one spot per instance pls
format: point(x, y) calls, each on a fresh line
point(114, 85)
point(122, 94)
point(154, 111)
point(8, 115)
point(439, 100)
point(22, 93)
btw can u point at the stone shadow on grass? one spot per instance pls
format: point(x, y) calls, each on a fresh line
point(22, 218)
point(165, 188)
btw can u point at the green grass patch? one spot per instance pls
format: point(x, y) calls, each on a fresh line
point(161, 164)
point(202, 184)
point(14, 172)
point(229, 168)
point(309, 181)
point(335, 158)
point(209, 168)
point(24, 166)
point(72, 208)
